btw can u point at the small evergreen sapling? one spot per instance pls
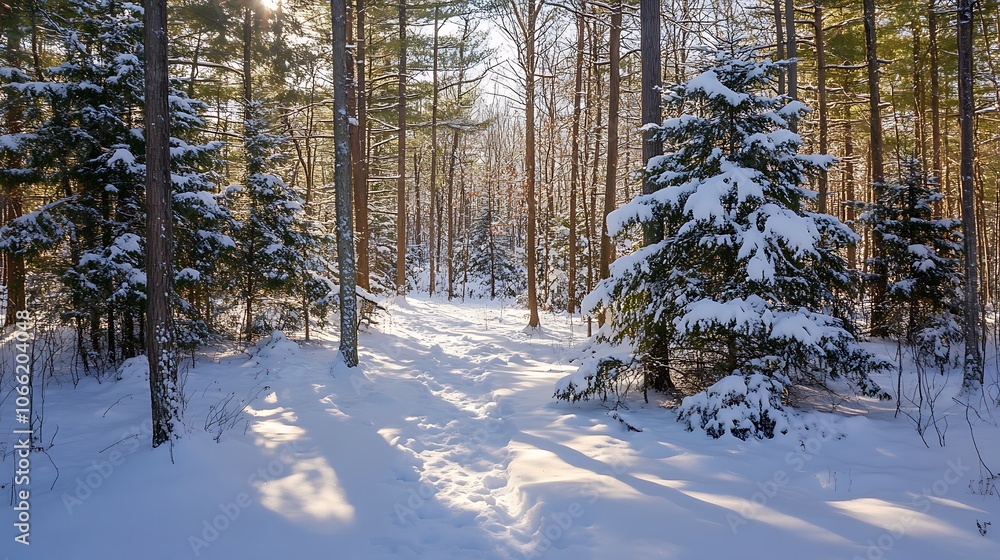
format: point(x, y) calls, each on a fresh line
point(922, 259)
point(278, 258)
point(490, 262)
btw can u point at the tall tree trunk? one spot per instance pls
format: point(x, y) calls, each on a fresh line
point(466, 222)
point(360, 159)
point(451, 212)
point(342, 192)
point(656, 372)
point(576, 184)
point(247, 56)
point(247, 102)
point(453, 162)
point(12, 204)
point(779, 35)
point(432, 213)
point(824, 127)
point(935, 94)
point(919, 99)
point(879, 320)
point(984, 263)
point(593, 124)
point(973, 369)
point(107, 239)
point(793, 66)
point(611, 176)
point(534, 8)
point(401, 158)
point(995, 249)
point(36, 37)
point(952, 199)
point(163, 388)
point(418, 236)
point(651, 113)
point(989, 268)
point(849, 193)
point(548, 186)
point(492, 243)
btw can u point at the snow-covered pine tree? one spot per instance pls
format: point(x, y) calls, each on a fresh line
point(203, 223)
point(490, 264)
point(15, 34)
point(557, 268)
point(741, 294)
point(98, 90)
point(381, 248)
point(87, 145)
point(278, 251)
point(922, 259)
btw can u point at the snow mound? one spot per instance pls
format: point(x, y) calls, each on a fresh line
point(137, 367)
point(277, 347)
point(748, 406)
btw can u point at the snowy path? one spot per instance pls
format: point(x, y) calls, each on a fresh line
point(446, 444)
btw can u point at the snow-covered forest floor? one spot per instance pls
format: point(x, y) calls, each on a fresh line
point(446, 444)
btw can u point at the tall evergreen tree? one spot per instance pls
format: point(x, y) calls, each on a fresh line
point(160, 333)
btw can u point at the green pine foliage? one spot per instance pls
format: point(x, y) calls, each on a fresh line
point(278, 263)
point(748, 280)
point(490, 263)
point(86, 147)
point(922, 256)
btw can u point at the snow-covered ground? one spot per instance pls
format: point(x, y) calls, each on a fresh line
point(446, 444)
